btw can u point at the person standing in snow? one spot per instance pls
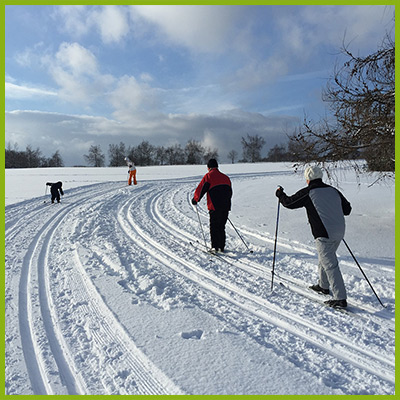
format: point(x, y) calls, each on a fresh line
point(326, 208)
point(131, 171)
point(55, 190)
point(219, 193)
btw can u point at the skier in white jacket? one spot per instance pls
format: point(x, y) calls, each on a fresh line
point(326, 208)
point(131, 171)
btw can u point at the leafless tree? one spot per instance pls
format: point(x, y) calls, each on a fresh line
point(194, 152)
point(95, 158)
point(175, 155)
point(143, 154)
point(361, 96)
point(252, 148)
point(210, 153)
point(232, 156)
point(116, 154)
point(55, 160)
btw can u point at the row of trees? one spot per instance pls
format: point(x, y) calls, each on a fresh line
point(252, 147)
point(193, 153)
point(147, 154)
point(30, 158)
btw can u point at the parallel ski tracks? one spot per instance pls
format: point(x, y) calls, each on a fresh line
point(260, 270)
point(44, 346)
point(35, 318)
point(160, 229)
point(299, 327)
point(39, 331)
point(149, 380)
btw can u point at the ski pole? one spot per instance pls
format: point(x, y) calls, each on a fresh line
point(251, 251)
point(365, 276)
point(276, 239)
point(201, 227)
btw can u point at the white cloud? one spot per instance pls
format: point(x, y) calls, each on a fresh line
point(210, 140)
point(145, 77)
point(310, 34)
point(198, 28)
point(74, 19)
point(259, 72)
point(14, 91)
point(77, 59)
point(29, 56)
point(71, 134)
point(75, 69)
point(131, 97)
point(77, 72)
point(306, 28)
point(112, 23)
point(206, 99)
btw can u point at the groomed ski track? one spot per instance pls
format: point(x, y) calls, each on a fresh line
point(62, 259)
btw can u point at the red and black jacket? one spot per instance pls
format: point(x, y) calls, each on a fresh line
point(218, 188)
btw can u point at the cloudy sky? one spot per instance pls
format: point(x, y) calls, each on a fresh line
point(77, 76)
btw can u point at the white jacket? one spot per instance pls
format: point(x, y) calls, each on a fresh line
point(130, 164)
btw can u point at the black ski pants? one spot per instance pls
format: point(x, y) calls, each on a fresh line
point(55, 195)
point(218, 220)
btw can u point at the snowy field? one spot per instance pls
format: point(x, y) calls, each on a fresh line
point(104, 294)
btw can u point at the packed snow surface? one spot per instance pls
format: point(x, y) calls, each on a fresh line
point(111, 291)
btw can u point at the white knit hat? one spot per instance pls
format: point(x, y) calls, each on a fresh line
point(312, 173)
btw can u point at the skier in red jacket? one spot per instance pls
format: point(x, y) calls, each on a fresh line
point(219, 193)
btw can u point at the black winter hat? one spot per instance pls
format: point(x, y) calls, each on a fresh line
point(212, 163)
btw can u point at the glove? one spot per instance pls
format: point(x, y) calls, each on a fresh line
point(279, 192)
point(194, 202)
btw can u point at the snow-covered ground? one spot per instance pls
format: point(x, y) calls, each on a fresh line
point(104, 294)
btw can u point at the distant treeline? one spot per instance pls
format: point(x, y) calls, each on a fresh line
point(30, 158)
point(146, 154)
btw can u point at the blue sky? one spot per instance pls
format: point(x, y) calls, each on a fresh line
point(82, 75)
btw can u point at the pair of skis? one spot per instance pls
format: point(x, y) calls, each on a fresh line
point(289, 285)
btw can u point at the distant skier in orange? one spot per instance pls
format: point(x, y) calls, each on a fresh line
point(132, 171)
